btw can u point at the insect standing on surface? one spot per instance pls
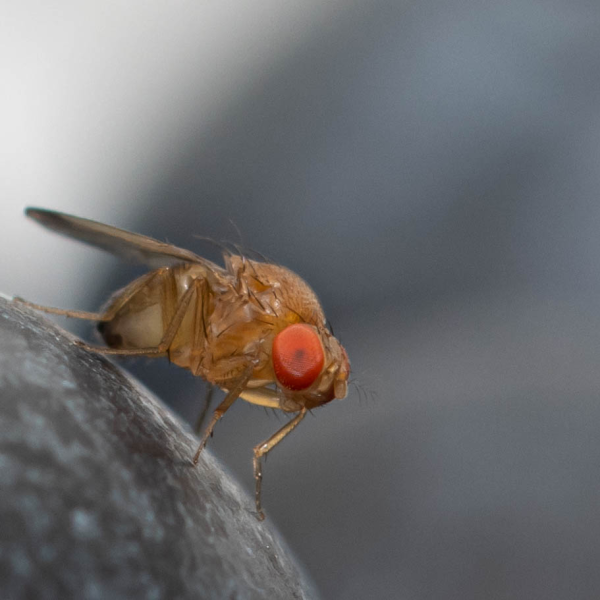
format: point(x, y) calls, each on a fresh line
point(254, 329)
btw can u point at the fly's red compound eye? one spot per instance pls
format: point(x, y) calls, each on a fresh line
point(297, 356)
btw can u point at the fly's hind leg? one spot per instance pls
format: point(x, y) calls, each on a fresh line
point(264, 448)
point(107, 315)
point(167, 339)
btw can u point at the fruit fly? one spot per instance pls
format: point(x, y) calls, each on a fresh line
point(253, 328)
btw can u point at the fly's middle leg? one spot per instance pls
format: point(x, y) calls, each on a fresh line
point(232, 395)
point(210, 390)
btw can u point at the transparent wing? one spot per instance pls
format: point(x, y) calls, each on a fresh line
point(127, 245)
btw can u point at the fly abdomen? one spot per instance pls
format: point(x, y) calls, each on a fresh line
point(140, 311)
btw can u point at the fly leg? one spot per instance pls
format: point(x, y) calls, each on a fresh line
point(105, 316)
point(264, 448)
point(167, 338)
point(210, 390)
point(232, 395)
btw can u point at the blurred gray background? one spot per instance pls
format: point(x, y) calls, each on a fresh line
point(432, 169)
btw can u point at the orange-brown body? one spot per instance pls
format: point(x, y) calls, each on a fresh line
point(255, 329)
point(232, 316)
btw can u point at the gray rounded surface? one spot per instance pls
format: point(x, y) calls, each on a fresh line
point(98, 494)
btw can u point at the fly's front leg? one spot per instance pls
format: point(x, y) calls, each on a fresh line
point(264, 448)
point(232, 395)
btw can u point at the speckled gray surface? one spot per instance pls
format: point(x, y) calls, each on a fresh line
point(98, 495)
